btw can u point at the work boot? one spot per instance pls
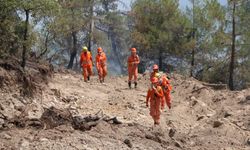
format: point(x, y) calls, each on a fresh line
point(129, 84)
point(88, 78)
point(135, 84)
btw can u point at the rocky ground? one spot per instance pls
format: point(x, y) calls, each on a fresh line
point(202, 117)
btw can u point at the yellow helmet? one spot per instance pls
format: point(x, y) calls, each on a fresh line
point(84, 48)
point(157, 75)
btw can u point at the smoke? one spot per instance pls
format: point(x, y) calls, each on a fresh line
point(114, 68)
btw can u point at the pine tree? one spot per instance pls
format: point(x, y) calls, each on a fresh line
point(159, 27)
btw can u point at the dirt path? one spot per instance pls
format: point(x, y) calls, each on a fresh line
point(201, 118)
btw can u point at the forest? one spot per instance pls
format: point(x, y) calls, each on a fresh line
point(206, 40)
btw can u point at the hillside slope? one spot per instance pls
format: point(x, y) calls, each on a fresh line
point(201, 117)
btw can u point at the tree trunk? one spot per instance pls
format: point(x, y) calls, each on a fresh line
point(46, 46)
point(91, 26)
point(231, 67)
point(160, 59)
point(192, 62)
point(115, 47)
point(74, 50)
point(25, 37)
point(74, 39)
point(193, 36)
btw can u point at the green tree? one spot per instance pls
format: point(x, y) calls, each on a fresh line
point(65, 28)
point(112, 22)
point(208, 25)
point(159, 27)
point(37, 9)
point(9, 25)
point(238, 12)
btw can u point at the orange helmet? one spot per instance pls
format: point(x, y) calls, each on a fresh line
point(155, 67)
point(154, 80)
point(165, 80)
point(99, 49)
point(133, 49)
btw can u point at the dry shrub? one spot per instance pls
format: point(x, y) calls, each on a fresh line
point(28, 81)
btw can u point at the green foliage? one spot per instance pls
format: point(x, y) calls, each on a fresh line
point(158, 25)
point(209, 25)
point(12, 26)
point(9, 39)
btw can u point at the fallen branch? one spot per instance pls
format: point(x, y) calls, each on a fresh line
point(216, 86)
point(198, 90)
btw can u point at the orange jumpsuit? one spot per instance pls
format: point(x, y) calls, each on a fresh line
point(101, 65)
point(165, 83)
point(133, 62)
point(156, 100)
point(86, 63)
point(152, 75)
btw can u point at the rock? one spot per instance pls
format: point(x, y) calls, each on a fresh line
point(24, 144)
point(53, 117)
point(194, 102)
point(57, 92)
point(193, 98)
point(7, 136)
point(228, 148)
point(171, 132)
point(209, 115)
point(35, 123)
point(227, 114)
point(1, 107)
point(243, 128)
point(248, 141)
point(153, 137)
point(240, 124)
point(69, 99)
point(1, 121)
point(131, 124)
point(19, 108)
point(128, 143)
point(118, 90)
point(240, 97)
point(44, 139)
point(248, 97)
point(15, 96)
point(25, 101)
point(116, 121)
point(177, 144)
point(36, 111)
point(200, 117)
point(130, 106)
point(217, 124)
point(192, 143)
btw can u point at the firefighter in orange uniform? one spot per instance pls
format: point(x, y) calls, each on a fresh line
point(133, 62)
point(86, 63)
point(101, 65)
point(156, 99)
point(155, 70)
point(164, 82)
